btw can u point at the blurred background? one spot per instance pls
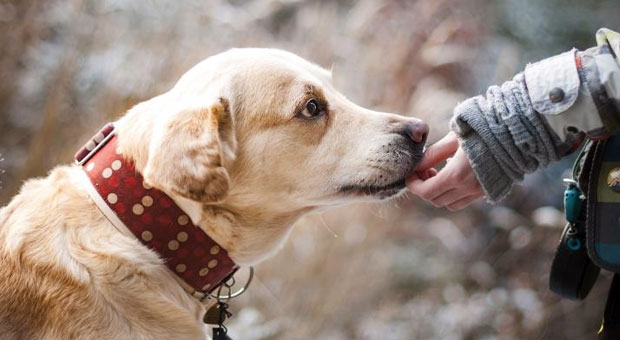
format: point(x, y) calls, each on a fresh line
point(396, 270)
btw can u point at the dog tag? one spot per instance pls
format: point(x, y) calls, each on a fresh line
point(213, 315)
point(219, 333)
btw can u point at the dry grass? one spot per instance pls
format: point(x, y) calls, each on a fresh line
point(398, 270)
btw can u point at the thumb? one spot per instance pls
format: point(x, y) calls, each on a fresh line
point(439, 151)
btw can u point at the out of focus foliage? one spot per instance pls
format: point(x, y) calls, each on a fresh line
point(398, 270)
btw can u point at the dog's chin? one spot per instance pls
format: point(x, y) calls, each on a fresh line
point(375, 191)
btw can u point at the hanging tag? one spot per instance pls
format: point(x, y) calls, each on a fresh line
point(219, 333)
point(213, 315)
point(216, 315)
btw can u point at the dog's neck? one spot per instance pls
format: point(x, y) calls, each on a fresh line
point(237, 227)
point(135, 208)
point(249, 238)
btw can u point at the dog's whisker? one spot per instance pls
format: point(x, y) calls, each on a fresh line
point(395, 204)
point(376, 211)
point(330, 230)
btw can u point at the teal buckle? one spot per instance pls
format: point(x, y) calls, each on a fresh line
point(572, 201)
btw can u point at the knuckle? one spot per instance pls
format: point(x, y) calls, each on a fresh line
point(456, 207)
point(426, 194)
point(442, 202)
point(415, 189)
point(436, 204)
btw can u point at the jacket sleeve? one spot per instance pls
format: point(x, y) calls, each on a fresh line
point(539, 116)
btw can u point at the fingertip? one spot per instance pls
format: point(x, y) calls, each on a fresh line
point(444, 148)
point(429, 159)
point(430, 173)
point(423, 175)
point(414, 185)
point(413, 177)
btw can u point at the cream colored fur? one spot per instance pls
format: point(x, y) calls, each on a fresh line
point(229, 145)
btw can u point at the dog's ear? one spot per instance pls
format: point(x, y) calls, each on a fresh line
point(186, 155)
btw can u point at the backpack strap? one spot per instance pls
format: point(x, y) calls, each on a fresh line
point(610, 328)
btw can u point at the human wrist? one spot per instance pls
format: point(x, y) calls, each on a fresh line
point(495, 183)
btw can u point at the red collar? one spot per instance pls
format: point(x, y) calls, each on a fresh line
point(152, 216)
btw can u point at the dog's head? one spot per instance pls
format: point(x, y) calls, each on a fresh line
point(263, 133)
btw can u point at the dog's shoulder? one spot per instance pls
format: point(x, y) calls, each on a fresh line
point(35, 288)
point(64, 269)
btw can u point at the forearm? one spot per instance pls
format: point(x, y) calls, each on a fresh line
point(539, 116)
point(504, 137)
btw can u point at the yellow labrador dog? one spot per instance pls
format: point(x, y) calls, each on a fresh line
point(245, 143)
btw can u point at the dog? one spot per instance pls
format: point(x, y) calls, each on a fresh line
point(245, 143)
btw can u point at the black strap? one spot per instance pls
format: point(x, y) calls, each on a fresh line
point(610, 329)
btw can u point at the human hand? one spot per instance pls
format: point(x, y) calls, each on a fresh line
point(455, 186)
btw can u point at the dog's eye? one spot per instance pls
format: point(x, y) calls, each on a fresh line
point(312, 110)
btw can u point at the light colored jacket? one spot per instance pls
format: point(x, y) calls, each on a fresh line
point(541, 115)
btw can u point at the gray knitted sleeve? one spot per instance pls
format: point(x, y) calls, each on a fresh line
point(504, 137)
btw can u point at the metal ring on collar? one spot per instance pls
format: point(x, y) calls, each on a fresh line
point(229, 296)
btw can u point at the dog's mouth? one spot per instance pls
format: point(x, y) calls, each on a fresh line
point(407, 162)
point(379, 191)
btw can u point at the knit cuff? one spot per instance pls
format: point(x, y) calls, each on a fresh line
point(470, 125)
point(503, 137)
point(495, 183)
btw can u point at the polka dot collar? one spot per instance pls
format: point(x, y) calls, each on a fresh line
point(152, 216)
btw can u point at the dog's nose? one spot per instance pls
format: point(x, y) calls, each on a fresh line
point(417, 131)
